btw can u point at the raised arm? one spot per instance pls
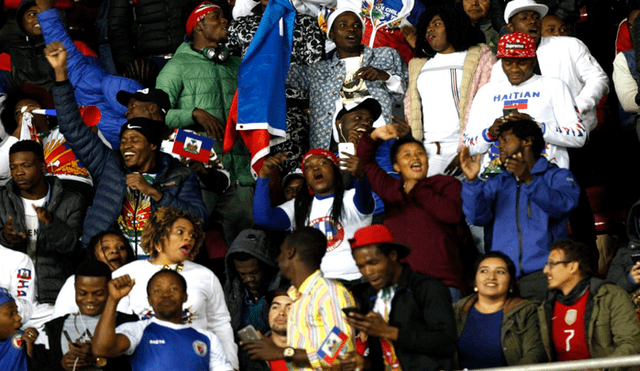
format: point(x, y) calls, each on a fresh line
point(263, 214)
point(85, 144)
point(106, 343)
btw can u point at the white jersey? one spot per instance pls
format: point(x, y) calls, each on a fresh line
point(17, 275)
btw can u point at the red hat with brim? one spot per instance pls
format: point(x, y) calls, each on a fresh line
point(377, 234)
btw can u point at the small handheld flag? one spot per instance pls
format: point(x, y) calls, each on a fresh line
point(193, 146)
point(332, 345)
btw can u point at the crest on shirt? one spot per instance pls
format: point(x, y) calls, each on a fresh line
point(200, 348)
point(333, 230)
point(16, 340)
point(24, 273)
point(571, 316)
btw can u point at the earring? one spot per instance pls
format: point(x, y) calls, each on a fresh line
point(475, 289)
point(511, 290)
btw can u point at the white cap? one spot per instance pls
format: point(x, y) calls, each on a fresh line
point(337, 12)
point(516, 6)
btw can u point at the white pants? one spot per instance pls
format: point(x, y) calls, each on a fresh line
point(440, 156)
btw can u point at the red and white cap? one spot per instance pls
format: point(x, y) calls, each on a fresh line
point(198, 13)
point(516, 45)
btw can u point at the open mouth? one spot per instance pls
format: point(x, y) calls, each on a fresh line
point(185, 250)
point(533, 31)
point(416, 166)
point(128, 155)
point(431, 37)
point(318, 177)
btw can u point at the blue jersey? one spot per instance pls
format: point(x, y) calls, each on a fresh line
point(12, 355)
point(161, 345)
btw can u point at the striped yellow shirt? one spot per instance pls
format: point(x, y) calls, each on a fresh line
point(316, 310)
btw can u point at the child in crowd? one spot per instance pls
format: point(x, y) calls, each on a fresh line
point(13, 341)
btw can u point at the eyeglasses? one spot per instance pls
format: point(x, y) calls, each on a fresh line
point(553, 264)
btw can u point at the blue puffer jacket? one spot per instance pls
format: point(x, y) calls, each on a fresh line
point(94, 86)
point(523, 219)
point(178, 183)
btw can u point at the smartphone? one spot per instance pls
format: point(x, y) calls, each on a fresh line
point(507, 111)
point(635, 258)
point(397, 110)
point(248, 334)
point(349, 310)
point(349, 148)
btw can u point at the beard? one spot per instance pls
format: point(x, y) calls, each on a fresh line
point(279, 330)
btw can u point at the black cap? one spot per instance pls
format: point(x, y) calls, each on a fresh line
point(151, 95)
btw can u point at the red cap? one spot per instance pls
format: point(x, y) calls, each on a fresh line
point(516, 45)
point(377, 234)
point(320, 152)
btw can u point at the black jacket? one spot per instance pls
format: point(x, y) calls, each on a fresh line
point(147, 27)
point(622, 262)
point(49, 359)
point(56, 243)
point(421, 310)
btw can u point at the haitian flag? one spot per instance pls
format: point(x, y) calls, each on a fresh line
point(259, 107)
point(519, 104)
point(193, 146)
point(332, 345)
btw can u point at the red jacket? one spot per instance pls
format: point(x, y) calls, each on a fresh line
point(425, 219)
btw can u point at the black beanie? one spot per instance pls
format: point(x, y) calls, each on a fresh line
point(151, 129)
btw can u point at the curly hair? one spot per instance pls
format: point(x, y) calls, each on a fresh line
point(156, 231)
point(461, 34)
point(524, 129)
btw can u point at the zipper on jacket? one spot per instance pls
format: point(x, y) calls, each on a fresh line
point(518, 227)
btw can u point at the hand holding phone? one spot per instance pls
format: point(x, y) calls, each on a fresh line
point(347, 147)
point(507, 111)
point(248, 334)
point(349, 310)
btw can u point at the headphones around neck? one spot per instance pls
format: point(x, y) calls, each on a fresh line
point(217, 54)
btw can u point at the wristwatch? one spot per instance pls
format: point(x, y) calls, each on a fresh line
point(101, 362)
point(288, 354)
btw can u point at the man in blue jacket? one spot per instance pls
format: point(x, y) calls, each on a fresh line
point(525, 208)
point(131, 182)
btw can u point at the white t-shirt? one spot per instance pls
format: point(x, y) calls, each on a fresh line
point(66, 300)
point(546, 99)
point(338, 261)
point(569, 59)
point(31, 223)
point(439, 88)
point(205, 307)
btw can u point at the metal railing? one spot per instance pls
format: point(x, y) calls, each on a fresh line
point(585, 364)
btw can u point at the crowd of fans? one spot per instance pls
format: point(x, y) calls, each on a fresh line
point(435, 204)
